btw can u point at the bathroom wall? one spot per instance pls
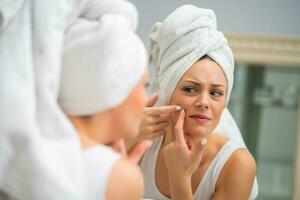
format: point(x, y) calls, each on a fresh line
point(267, 17)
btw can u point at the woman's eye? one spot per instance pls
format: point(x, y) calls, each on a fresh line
point(216, 93)
point(189, 89)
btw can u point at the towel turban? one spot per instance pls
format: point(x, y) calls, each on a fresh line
point(184, 37)
point(103, 59)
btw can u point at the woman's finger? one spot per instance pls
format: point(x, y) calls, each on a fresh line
point(152, 101)
point(151, 120)
point(119, 146)
point(156, 134)
point(179, 135)
point(150, 129)
point(160, 127)
point(163, 118)
point(162, 110)
point(137, 151)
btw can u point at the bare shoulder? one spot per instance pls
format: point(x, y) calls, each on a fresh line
point(237, 176)
point(240, 159)
point(241, 162)
point(240, 166)
point(127, 179)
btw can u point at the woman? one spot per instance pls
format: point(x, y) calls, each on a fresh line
point(103, 93)
point(194, 69)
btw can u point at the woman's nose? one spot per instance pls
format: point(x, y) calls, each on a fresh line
point(202, 101)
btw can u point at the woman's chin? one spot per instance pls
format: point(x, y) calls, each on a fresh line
point(197, 132)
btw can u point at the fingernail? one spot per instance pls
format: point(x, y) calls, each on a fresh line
point(203, 141)
point(178, 108)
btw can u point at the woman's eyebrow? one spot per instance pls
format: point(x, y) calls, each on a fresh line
point(218, 85)
point(194, 82)
point(199, 83)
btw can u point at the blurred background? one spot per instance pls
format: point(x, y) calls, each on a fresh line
point(265, 38)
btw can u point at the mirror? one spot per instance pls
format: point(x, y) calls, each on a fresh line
point(265, 101)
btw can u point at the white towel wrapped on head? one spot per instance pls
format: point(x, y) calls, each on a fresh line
point(186, 35)
point(103, 59)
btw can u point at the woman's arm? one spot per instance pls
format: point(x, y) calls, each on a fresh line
point(181, 188)
point(236, 179)
point(181, 162)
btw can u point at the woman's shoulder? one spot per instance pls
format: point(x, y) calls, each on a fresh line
point(240, 160)
point(239, 170)
point(124, 171)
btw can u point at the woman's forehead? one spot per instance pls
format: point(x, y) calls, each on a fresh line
point(205, 70)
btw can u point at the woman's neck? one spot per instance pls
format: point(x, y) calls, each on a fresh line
point(88, 136)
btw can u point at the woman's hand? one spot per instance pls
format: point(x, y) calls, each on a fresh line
point(155, 120)
point(182, 161)
point(135, 153)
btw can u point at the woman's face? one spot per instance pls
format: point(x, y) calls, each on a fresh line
point(128, 114)
point(201, 92)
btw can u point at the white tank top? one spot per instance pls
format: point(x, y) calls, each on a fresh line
point(205, 189)
point(97, 172)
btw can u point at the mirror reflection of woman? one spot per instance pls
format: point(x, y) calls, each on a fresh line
point(194, 67)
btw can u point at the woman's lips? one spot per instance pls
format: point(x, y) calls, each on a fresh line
point(200, 117)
